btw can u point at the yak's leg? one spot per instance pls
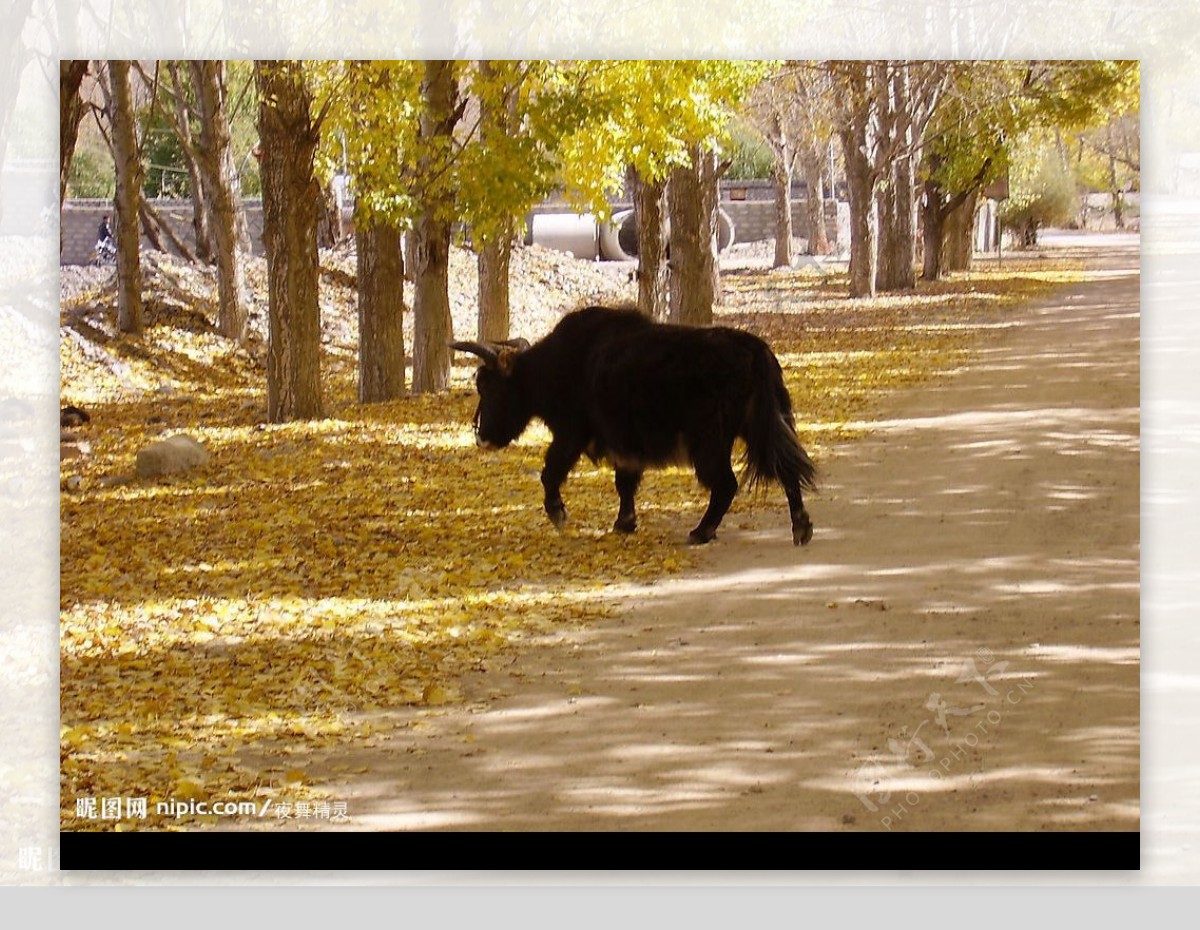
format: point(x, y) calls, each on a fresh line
point(628, 480)
point(560, 459)
point(715, 474)
point(789, 477)
point(802, 528)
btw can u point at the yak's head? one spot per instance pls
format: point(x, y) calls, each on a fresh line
point(504, 409)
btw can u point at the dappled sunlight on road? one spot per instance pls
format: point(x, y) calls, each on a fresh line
point(957, 649)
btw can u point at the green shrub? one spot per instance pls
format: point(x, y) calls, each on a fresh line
point(1049, 198)
point(92, 175)
point(751, 156)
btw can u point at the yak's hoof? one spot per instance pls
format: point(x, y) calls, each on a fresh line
point(558, 516)
point(700, 536)
point(802, 533)
point(625, 524)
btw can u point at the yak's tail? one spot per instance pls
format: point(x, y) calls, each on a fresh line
point(773, 451)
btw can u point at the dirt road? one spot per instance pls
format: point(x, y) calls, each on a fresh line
point(958, 648)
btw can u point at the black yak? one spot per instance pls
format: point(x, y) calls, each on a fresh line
point(613, 385)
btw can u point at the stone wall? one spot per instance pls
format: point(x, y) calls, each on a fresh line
point(754, 220)
point(749, 205)
point(81, 222)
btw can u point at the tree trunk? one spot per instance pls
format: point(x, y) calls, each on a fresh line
point(432, 324)
point(154, 229)
point(289, 142)
point(958, 241)
point(781, 175)
point(904, 239)
point(933, 230)
point(380, 265)
point(410, 239)
point(70, 111)
point(940, 253)
point(329, 220)
point(860, 140)
point(813, 164)
point(1118, 203)
point(897, 238)
point(864, 218)
point(127, 201)
point(497, 122)
point(224, 198)
point(891, 103)
point(183, 129)
point(887, 209)
point(693, 248)
point(340, 228)
point(710, 192)
point(783, 161)
point(494, 304)
point(897, 245)
point(650, 218)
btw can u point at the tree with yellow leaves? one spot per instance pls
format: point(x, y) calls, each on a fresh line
point(667, 120)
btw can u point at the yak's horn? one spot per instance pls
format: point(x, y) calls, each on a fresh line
point(492, 352)
point(489, 353)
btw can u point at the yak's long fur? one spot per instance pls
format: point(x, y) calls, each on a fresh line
point(612, 384)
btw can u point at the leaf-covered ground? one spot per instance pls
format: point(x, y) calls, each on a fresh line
point(218, 627)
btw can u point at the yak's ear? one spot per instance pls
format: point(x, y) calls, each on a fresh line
point(509, 350)
point(505, 359)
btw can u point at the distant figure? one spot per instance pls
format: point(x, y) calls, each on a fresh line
point(105, 252)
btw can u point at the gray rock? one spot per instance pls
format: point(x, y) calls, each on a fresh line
point(73, 447)
point(167, 456)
